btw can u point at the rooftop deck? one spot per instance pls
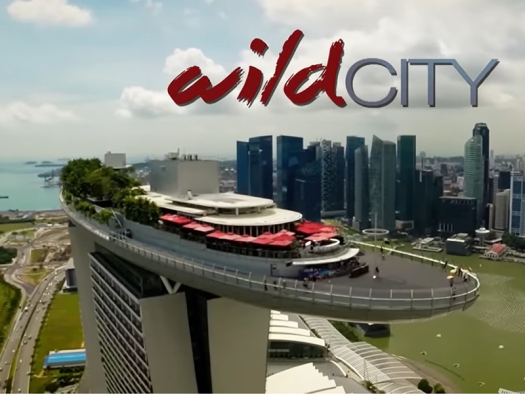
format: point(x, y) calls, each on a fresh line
point(404, 290)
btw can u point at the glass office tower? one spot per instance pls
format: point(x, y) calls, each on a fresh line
point(383, 184)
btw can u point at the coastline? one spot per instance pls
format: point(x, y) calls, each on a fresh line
point(36, 212)
point(431, 374)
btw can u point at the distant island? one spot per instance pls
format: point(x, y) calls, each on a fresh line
point(4, 197)
point(30, 162)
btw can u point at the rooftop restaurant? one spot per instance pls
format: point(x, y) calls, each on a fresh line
point(307, 240)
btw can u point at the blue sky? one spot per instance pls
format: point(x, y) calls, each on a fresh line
point(126, 45)
point(80, 77)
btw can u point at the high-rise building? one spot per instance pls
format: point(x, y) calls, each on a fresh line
point(289, 152)
point(457, 215)
point(352, 143)
point(255, 163)
point(307, 191)
point(307, 183)
point(243, 180)
point(361, 189)
point(474, 174)
point(483, 131)
point(517, 205)
point(406, 172)
point(383, 183)
point(501, 206)
point(332, 178)
point(429, 188)
point(504, 180)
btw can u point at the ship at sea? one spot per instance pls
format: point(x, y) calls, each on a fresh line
point(49, 164)
point(30, 162)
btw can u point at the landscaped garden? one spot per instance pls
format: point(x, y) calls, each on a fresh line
point(87, 181)
point(62, 330)
point(7, 255)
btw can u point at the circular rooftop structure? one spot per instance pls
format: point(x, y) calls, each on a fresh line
point(482, 232)
point(376, 233)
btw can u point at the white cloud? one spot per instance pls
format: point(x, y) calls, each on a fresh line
point(472, 31)
point(21, 112)
point(154, 6)
point(50, 12)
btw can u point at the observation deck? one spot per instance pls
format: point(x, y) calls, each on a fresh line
point(405, 291)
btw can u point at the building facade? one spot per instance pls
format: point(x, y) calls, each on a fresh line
point(383, 184)
point(332, 178)
point(289, 152)
point(457, 215)
point(429, 189)
point(517, 205)
point(243, 180)
point(483, 131)
point(352, 143)
point(406, 173)
point(260, 166)
point(361, 189)
point(474, 182)
point(501, 207)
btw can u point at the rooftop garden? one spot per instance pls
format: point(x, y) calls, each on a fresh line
point(86, 182)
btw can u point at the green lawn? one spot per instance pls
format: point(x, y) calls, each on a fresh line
point(34, 275)
point(9, 300)
point(6, 227)
point(62, 330)
point(36, 254)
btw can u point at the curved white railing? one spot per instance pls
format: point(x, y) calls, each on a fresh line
point(433, 300)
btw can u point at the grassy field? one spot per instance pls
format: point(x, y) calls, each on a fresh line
point(34, 275)
point(62, 330)
point(6, 227)
point(36, 254)
point(9, 300)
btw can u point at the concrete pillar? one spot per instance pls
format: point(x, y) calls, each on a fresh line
point(238, 340)
point(167, 342)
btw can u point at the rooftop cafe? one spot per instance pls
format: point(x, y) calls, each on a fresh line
point(309, 240)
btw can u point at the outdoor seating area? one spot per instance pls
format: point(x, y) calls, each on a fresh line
point(308, 238)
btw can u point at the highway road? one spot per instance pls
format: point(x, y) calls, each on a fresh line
point(30, 327)
point(21, 321)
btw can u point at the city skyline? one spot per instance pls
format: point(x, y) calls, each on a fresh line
point(96, 80)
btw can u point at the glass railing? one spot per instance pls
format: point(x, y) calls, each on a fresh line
point(438, 300)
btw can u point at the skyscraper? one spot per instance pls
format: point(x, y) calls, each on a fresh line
point(352, 143)
point(243, 184)
point(332, 176)
point(474, 174)
point(429, 188)
point(502, 200)
point(289, 151)
point(482, 130)
point(256, 156)
point(361, 189)
point(383, 183)
point(517, 205)
point(504, 180)
point(406, 172)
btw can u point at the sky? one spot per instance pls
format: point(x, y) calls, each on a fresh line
point(82, 77)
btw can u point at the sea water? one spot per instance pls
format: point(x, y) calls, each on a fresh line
point(25, 189)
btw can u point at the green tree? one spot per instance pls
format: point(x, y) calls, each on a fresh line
point(424, 386)
point(438, 388)
point(74, 173)
point(103, 216)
